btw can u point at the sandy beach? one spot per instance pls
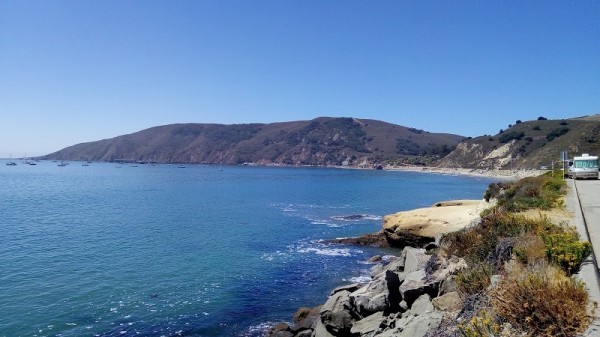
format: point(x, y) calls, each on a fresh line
point(497, 174)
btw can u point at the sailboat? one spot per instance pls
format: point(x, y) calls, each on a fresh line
point(10, 162)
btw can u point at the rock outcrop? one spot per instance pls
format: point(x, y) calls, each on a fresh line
point(421, 226)
point(408, 296)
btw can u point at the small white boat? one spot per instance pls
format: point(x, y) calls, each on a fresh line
point(62, 164)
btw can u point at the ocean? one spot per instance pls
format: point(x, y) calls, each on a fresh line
point(162, 250)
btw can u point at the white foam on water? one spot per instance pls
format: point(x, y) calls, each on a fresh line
point(326, 223)
point(326, 251)
point(259, 329)
point(272, 256)
point(359, 279)
point(388, 258)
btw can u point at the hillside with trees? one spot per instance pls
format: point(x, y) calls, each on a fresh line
point(528, 144)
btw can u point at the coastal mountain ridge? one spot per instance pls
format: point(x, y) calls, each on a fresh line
point(327, 141)
point(323, 141)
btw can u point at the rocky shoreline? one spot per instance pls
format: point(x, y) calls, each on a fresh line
point(412, 294)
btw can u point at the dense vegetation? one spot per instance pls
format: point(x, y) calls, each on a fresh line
point(535, 257)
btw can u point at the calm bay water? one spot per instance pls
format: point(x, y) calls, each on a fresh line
point(195, 251)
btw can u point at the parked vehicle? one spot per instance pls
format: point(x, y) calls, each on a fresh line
point(584, 167)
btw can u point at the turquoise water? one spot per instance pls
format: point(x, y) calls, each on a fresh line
point(110, 250)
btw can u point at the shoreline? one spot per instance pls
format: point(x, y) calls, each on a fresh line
point(431, 302)
point(470, 172)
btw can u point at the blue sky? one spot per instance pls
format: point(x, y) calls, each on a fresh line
point(77, 71)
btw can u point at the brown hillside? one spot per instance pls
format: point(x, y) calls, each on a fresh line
point(322, 141)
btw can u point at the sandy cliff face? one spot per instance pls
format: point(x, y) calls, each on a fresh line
point(474, 155)
point(424, 225)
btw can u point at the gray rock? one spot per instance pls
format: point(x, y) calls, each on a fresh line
point(420, 325)
point(335, 315)
point(415, 285)
point(377, 269)
point(283, 334)
point(368, 324)
point(320, 330)
point(368, 299)
point(390, 332)
point(378, 303)
point(494, 281)
point(397, 264)
point(422, 305)
point(428, 281)
point(348, 287)
point(445, 267)
point(416, 259)
point(448, 285)
point(405, 320)
point(336, 301)
point(404, 306)
point(448, 302)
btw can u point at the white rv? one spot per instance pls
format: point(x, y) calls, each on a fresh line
point(584, 167)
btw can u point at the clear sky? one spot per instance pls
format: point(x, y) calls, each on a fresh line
point(78, 71)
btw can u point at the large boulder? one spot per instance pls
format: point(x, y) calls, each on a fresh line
point(421, 226)
point(422, 305)
point(335, 314)
point(415, 259)
point(448, 302)
point(372, 297)
point(429, 279)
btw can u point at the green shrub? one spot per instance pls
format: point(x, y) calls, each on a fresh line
point(507, 137)
point(478, 243)
point(482, 325)
point(566, 251)
point(474, 279)
point(556, 133)
point(541, 192)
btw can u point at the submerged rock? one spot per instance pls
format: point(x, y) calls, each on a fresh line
point(378, 239)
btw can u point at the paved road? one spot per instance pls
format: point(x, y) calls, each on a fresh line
point(589, 196)
point(587, 211)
